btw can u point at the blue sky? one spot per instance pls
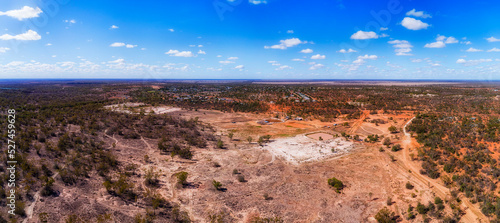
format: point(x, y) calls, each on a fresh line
point(250, 39)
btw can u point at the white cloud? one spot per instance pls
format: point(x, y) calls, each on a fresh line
point(306, 51)
point(358, 61)
point(177, 53)
point(118, 61)
point(239, 67)
point(383, 28)
point(473, 62)
point(114, 27)
point(438, 44)
point(4, 49)
point(171, 30)
point(420, 14)
point(416, 60)
point(117, 44)
point(202, 52)
point(403, 47)
point(364, 35)
point(48, 44)
point(200, 45)
point(297, 59)
point(316, 66)
point(232, 58)
point(284, 44)
point(441, 42)
point(466, 42)
point(226, 62)
point(450, 40)
point(72, 21)
point(256, 2)
point(492, 39)
point(29, 35)
point(318, 57)
point(494, 50)
point(361, 59)
point(289, 31)
point(274, 63)
point(473, 50)
point(24, 13)
point(369, 57)
point(283, 67)
point(347, 51)
point(130, 46)
point(413, 24)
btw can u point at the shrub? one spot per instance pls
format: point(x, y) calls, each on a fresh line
point(409, 186)
point(182, 178)
point(335, 183)
point(217, 185)
point(396, 148)
point(241, 178)
point(393, 129)
point(385, 216)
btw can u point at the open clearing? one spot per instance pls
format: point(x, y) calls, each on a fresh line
point(300, 149)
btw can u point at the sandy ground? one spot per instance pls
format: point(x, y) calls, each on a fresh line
point(324, 136)
point(134, 108)
point(301, 149)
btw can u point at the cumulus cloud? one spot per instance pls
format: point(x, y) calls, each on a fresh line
point(226, 62)
point(4, 49)
point(114, 27)
point(438, 44)
point(71, 21)
point(25, 12)
point(473, 62)
point(177, 53)
point(118, 61)
point(117, 44)
point(494, 50)
point(202, 52)
point(284, 44)
point(239, 67)
point(441, 42)
point(318, 57)
point(29, 35)
point(256, 2)
point(232, 58)
point(420, 14)
point(473, 50)
point(403, 47)
point(171, 30)
point(492, 39)
point(283, 67)
point(306, 51)
point(130, 46)
point(369, 57)
point(383, 28)
point(316, 66)
point(297, 59)
point(347, 51)
point(413, 24)
point(364, 35)
point(289, 31)
point(361, 59)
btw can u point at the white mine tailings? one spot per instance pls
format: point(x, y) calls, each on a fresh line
point(300, 149)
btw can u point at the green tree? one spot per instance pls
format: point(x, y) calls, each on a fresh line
point(336, 183)
point(393, 129)
point(385, 216)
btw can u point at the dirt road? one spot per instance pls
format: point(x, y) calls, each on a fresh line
point(472, 213)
